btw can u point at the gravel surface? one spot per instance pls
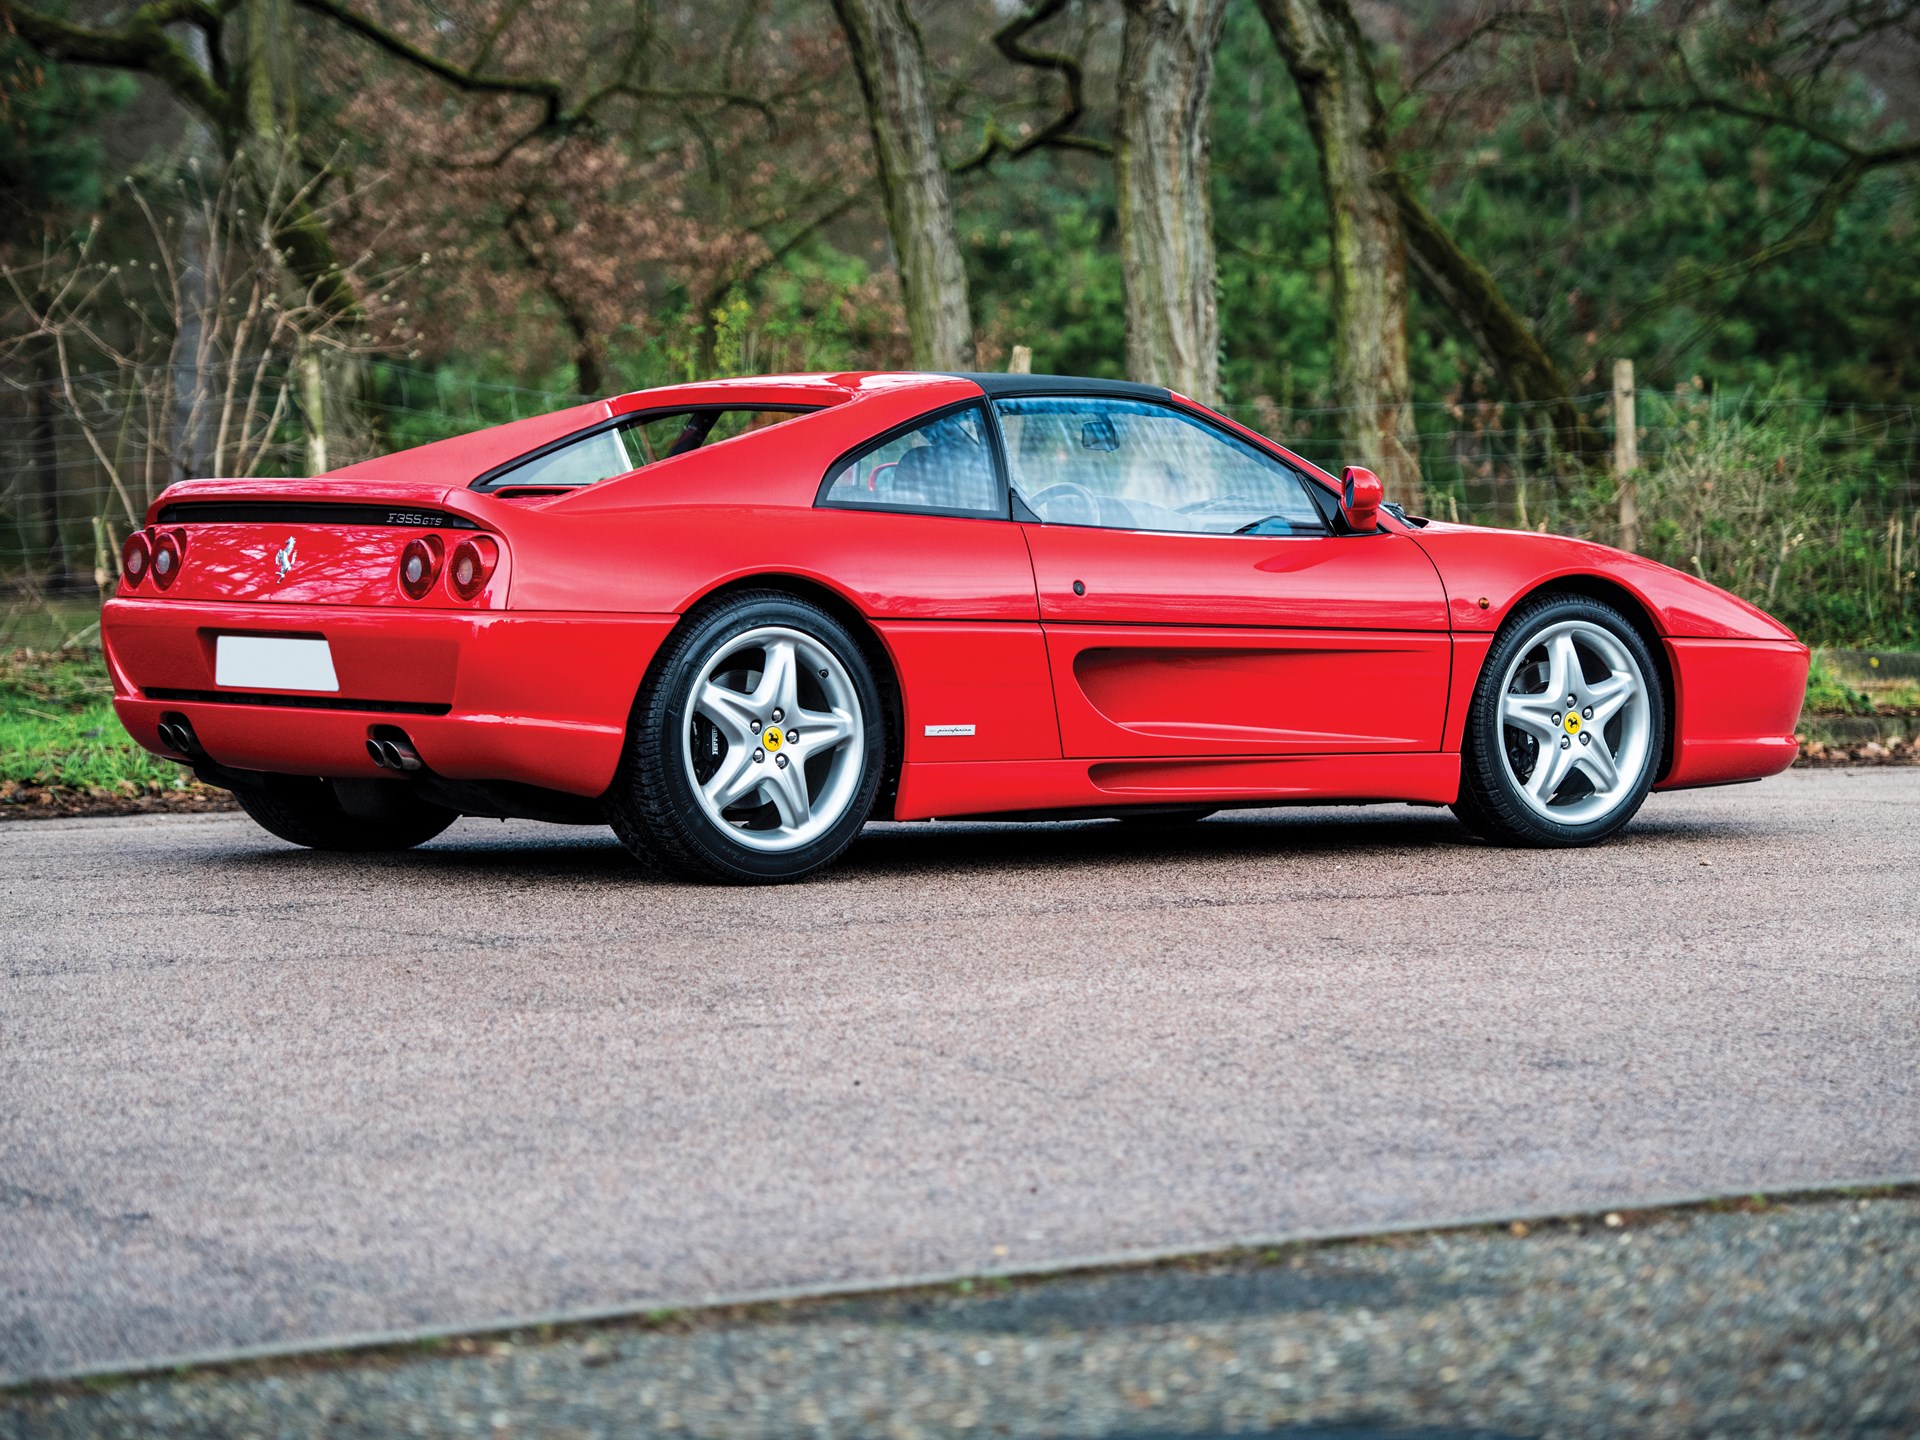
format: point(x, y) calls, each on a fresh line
point(256, 1096)
point(1801, 1319)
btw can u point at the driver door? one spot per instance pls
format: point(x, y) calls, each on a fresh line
point(1196, 602)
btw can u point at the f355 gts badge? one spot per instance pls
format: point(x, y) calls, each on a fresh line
point(284, 560)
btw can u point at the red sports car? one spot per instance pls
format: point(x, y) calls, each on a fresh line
point(738, 620)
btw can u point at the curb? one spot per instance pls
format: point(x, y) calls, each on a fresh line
point(369, 1344)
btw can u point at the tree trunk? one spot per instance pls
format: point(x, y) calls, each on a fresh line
point(1322, 46)
point(1166, 213)
point(1379, 223)
point(194, 386)
point(270, 83)
point(891, 62)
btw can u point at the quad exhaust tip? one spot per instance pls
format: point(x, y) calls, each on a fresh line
point(176, 733)
point(394, 754)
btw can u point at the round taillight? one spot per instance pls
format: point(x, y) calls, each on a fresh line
point(135, 558)
point(472, 566)
point(168, 551)
point(420, 565)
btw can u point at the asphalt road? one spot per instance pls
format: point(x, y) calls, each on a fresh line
point(1797, 1320)
point(250, 1095)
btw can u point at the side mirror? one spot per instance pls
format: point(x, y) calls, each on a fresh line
point(1360, 497)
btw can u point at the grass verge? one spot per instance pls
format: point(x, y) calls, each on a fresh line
point(64, 752)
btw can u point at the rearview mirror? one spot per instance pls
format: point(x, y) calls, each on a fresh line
point(1360, 497)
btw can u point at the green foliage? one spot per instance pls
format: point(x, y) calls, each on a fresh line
point(1625, 237)
point(1781, 503)
point(1270, 227)
point(51, 162)
point(1045, 270)
point(57, 726)
point(1828, 694)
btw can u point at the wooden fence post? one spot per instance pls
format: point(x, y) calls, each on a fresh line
point(1626, 454)
point(1021, 361)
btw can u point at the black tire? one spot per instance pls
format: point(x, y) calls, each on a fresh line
point(1491, 803)
point(652, 804)
point(306, 811)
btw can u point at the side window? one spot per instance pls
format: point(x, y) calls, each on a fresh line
point(1135, 465)
point(616, 449)
point(586, 461)
point(944, 467)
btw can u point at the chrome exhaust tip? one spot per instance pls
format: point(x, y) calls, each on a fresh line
point(390, 749)
point(402, 756)
point(178, 736)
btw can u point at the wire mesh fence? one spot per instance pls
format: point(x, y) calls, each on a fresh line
point(83, 456)
point(1809, 509)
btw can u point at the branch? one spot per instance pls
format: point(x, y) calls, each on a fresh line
point(547, 92)
point(555, 114)
point(1057, 133)
point(1501, 22)
point(141, 45)
point(1813, 230)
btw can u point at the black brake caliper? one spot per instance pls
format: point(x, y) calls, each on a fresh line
point(1522, 749)
point(709, 748)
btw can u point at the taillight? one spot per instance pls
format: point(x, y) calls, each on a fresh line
point(168, 552)
point(472, 566)
point(136, 556)
point(420, 565)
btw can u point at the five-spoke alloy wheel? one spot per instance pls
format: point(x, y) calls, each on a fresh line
point(756, 747)
point(1565, 733)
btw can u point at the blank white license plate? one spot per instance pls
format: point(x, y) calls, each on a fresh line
point(269, 662)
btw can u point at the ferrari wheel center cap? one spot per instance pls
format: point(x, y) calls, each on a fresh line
point(773, 739)
point(1573, 724)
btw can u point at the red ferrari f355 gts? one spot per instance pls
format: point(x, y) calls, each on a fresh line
point(738, 620)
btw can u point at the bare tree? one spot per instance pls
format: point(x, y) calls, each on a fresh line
point(891, 61)
point(107, 339)
point(235, 66)
point(1166, 214)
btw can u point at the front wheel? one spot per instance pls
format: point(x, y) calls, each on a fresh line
point(1566, 728)
point(756, 748)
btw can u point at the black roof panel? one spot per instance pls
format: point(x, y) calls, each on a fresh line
point(1001, 385)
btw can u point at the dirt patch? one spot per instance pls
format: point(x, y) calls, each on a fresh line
point(1891, 751)
point(52, 802)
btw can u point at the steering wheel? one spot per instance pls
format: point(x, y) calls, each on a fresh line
point(1078, 497)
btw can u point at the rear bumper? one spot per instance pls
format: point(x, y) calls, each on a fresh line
point(541, 698)
point(1735, 708)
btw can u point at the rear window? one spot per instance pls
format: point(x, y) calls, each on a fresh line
point(627, 444)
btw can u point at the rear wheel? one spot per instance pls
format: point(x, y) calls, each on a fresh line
point(385, 815)
point(756, 748)
point(1566, 729)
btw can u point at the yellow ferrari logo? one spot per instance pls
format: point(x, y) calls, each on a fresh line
point(1573, 723)
point(773, 738)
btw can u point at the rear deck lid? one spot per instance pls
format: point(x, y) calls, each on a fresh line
point(308, 550)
